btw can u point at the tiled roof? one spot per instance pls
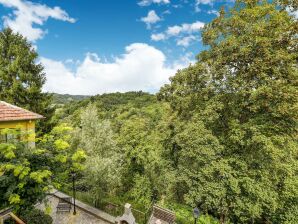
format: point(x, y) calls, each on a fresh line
point(10, 112)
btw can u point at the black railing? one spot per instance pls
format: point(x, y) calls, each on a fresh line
point(110, 208)
point(139, 215)
point(113, 209)
point(149, 212)
point(118, 210)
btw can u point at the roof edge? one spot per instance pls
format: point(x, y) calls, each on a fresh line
point(37, 116)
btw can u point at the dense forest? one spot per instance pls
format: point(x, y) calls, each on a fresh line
point(58, 99)
point(222, 135)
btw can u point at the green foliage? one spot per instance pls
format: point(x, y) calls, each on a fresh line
point(106, 104)
point(36, 216)
point(56, 150)
point(21, 78)
point(61, 99)
point(22, 183)
point(141, 192)
point(184, 214)
point(26, 173)
point(223, 136)
point(141, 136)
point(125, 149)
point(103, 160)
point(207, 219)
point(235, 124)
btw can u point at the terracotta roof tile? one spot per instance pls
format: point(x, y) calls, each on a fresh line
point(10, 112)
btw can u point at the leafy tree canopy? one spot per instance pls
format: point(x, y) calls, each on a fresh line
point(27, 174)
point(21, 77)
point(239, 103)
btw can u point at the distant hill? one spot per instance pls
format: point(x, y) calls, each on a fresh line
point(110, 105)
point(106, 102)
point(112, 101)
point(67, 98)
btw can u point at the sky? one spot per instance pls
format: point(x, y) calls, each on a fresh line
point(90, 47)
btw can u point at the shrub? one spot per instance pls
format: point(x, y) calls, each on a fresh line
point(184, 214)
point(36, 216)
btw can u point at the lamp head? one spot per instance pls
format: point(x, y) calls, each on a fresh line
point(196, 213)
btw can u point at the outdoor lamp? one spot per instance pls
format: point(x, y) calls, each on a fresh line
point(73, 175)
point(196, 214)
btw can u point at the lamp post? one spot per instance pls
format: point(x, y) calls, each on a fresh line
point(196, 214)
point(73, 175)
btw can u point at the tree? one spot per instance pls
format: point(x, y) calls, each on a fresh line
point(35, 216)
point(253, 61)
point(147, 174)
point(102, 173)
point(27, 174)
point(128, 129)
point(291, 5)
point(21, 78)
point(243, 94)
point(21, 183)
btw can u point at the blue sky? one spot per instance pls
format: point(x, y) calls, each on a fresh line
point(97, 46)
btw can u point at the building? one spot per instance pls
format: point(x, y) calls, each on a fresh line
point(16, 118)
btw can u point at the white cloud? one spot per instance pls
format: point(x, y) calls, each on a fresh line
point(141, 67)
point(185, 41)
point(212, 11)
point(151, 18)
point(292, 12)
point(149, 2)
point(158, 37)
point(69, 61)
point(185, 28)
point(183, 31)
point(174, 30)
point(27, 15)
point(210, 3)
point(166, 12)
point(204, 2)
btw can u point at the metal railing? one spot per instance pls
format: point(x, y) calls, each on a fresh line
point(113, 209)
point(110, 208)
